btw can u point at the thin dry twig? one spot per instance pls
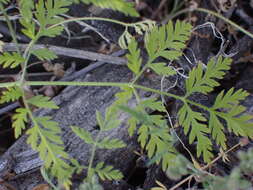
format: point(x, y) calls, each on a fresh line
point(71, 77)
point(91, 67)
point(204, 167)
point(154, 15)
point(70, 52)
point(9, 108)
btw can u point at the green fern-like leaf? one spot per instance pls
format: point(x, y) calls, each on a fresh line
point(107, 172)
point(193, 121)
point(11, 94)
point(91, 185)
point(52, 32)
point(83, 134)
point(110, 121)
point(48, 10)
point(167, 41)
point(26, 7)
point(134, 60)
point(143, 26)
point(217, 130)
point(153, 135)
point(123, 96)
point(205, 82)
point(110, 143)
point(44, 54)
point(140, 116)
point(4, 1)
point(44, 137)
point(42, 102)
point(229, 99)
point(162, 69)
point(139, 27)
point(143, 135)
point(56, 7)
point(227, 106)
point(48, 13)
point(11, 60)
point(19, 121)
point(118, 5)
point(153, 104)
point(227, 102)
point(136, 113)
point(158, 142)
point(125, 39)
point(239, 125)
point(132, 123)
point(29, 28)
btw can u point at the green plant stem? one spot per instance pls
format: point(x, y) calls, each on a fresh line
point(178, 13)
point(136, 95)
point(199, 105)
point(27, 55)
point(183, 11)
point(142, 71)
point(90, 18)
point(177, 6)
point(94, 147)
point(9, 84)
point(41, 135)
point(35, 124)
point(47, 179)
point(126, 25)
point(75, 83)
point(67, 83)
point(159, 92)
point(12, 32)
point(139, 74)
point(114, 84)
point(226, 20)
point(205, 108)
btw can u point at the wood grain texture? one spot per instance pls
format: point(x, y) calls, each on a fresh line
point(77, 107)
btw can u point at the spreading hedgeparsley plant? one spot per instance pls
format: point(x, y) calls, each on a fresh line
point(44, 19)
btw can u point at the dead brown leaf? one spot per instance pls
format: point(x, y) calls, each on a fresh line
point(42, 187)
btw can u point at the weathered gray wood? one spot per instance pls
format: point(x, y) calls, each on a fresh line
point(77, 107)
point(69, 52)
